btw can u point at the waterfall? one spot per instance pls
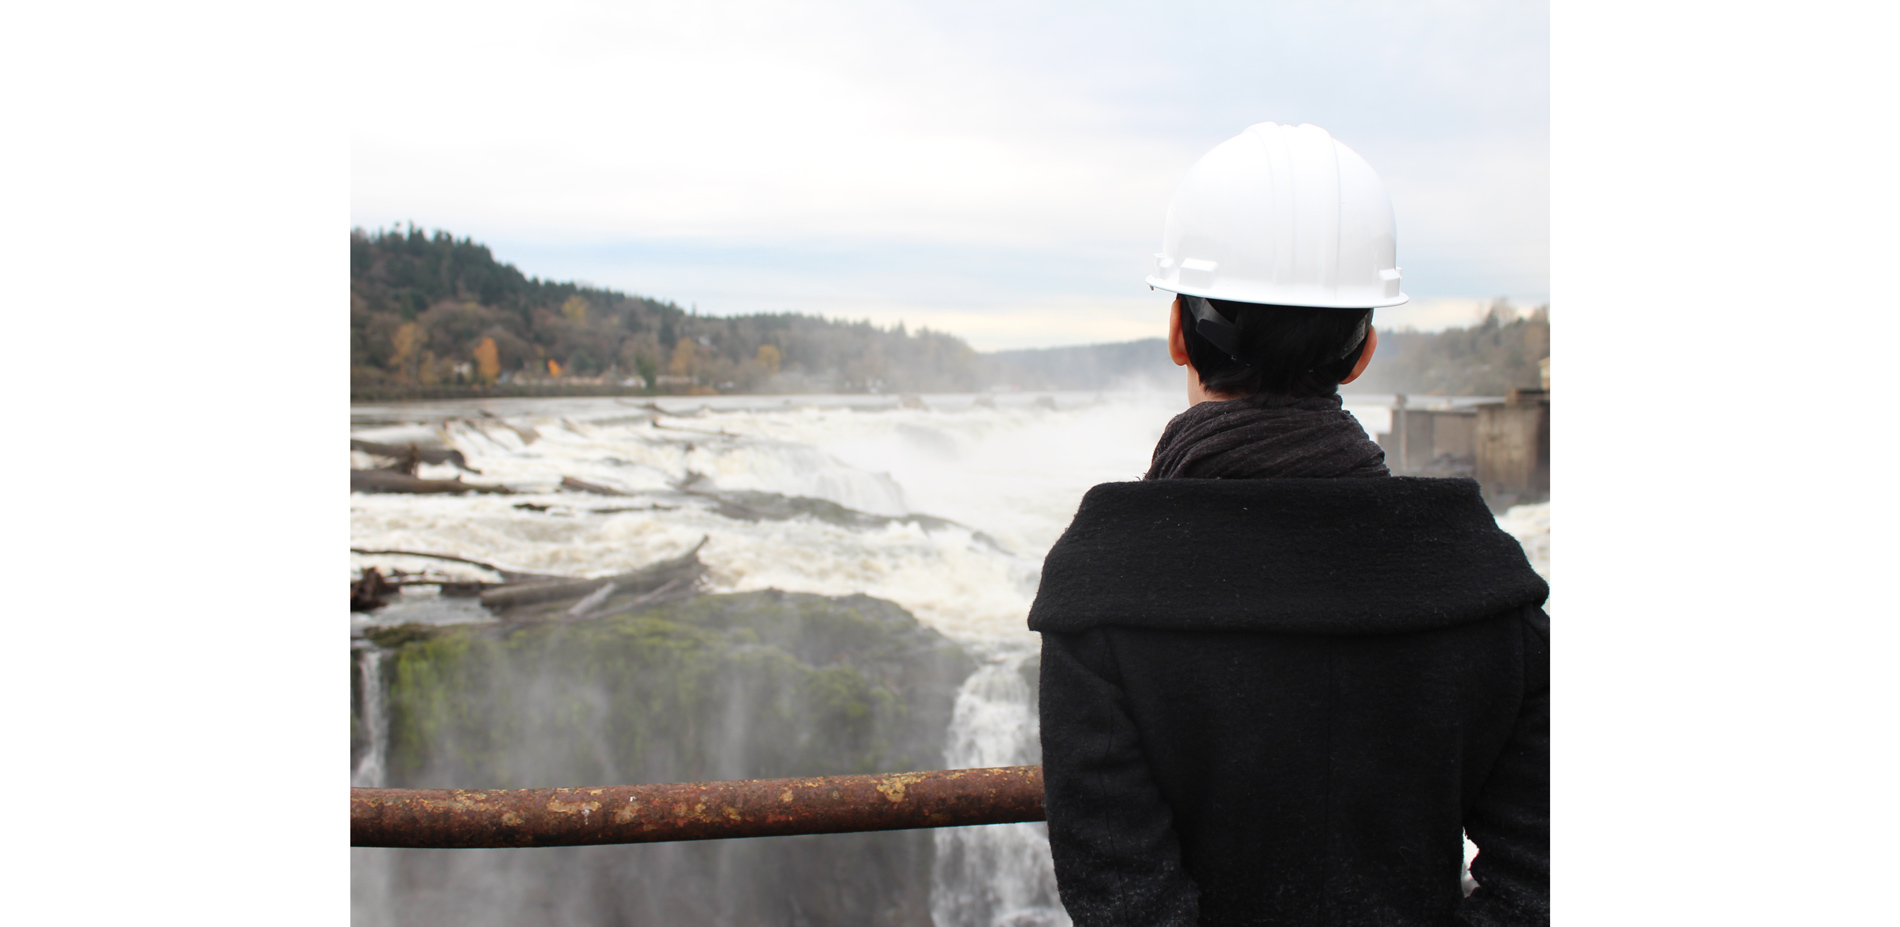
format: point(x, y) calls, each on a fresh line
point(368, 771)
point(1007, 473)
point(997, 875)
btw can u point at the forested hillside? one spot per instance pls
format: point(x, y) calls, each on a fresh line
point(431, 312)
point(1484, 360)
point(432, 315)
point(1090, 366)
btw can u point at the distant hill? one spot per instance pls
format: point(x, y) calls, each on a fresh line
point(432, 315)
point(1084, 367)
point(1484, 360)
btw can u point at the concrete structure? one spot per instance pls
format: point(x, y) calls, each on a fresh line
point(1514, 448)
point(1436, 441)
point(1505, 445)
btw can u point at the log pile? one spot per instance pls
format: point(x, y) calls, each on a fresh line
point(411, 452)
point(400, 474)
point(523, 596)
point(369, 591)
point(517, 595)
point(394, 480)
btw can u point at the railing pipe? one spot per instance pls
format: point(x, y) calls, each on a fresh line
point(467, 818)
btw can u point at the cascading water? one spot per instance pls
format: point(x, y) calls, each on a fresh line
point(997, 876)
point(367, 663)
point(1006, 473)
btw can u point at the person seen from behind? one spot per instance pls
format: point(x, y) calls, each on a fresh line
point(1280, 685)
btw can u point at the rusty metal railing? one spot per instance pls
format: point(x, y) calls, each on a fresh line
point(468, 818)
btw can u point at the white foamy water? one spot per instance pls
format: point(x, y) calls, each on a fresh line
point(1000, 875)
point(1006, 472)
point(1010, 477)
point(368, 772)
point(1530, 524)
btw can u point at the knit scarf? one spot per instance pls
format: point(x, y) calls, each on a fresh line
point(1266, 437)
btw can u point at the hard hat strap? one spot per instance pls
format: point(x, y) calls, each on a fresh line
point(1358, 338)
point(1217, 330)
point(1223, 335)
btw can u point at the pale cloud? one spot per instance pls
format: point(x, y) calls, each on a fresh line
point(749, 121)
point(974, 167)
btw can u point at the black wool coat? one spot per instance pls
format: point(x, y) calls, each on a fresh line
point(1279, 701)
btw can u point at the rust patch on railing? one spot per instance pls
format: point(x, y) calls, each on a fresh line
point(693, 810)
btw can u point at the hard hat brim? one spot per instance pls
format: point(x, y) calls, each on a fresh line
point(1239, 295)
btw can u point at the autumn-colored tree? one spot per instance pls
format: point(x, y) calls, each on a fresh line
point(575, 309)
point(554, 367)
point(425, 369)
point(407, 341)
point(456, 291)
point(683, 355)
point(487, 362)
point(768, 358)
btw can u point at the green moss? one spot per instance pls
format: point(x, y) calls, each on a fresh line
point(398, 635)
point(730, 686)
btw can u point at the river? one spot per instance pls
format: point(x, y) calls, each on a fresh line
point(1001, 474)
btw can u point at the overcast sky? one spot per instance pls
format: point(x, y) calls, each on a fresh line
point(996, 170)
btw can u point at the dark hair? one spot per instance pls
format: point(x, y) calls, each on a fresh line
point(1287, 350)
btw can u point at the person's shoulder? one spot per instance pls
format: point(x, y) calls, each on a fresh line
point(1350, 556)
point(1538, 621)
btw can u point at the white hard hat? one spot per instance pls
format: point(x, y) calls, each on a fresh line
point(1284, 216)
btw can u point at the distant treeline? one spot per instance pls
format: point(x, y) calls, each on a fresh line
point(434, 316)
point(431, 314)
point(1487, 359)
point(1089, 366)
point(1484, 360)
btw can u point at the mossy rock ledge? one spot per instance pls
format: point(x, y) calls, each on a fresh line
point(737, 686)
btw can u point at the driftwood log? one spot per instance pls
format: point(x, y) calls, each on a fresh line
point(681, 570)
point(425, 455)
point(394, 480)
point(568, 482)
point(541, 596)
point(507, 576)
point(369, 593)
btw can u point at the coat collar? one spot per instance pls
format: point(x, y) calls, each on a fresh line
point(1329, 556)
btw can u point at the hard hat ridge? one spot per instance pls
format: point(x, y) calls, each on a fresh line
point(1282, 215)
